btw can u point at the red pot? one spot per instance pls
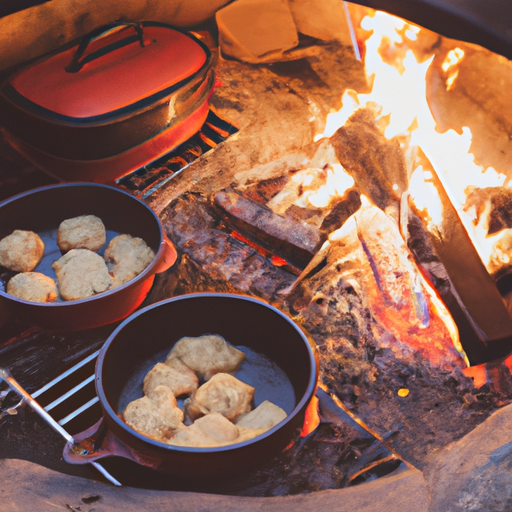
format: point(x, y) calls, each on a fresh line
point(127, 94)
point(43, 209)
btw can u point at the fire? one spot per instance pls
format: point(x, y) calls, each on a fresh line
point(311, 418)
point(452, 59)
point(398, 98)
point(313, 186)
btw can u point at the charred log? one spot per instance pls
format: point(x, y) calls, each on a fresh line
point(342, 209)
point(485, 310)
point(211, 259)
point(376, 164)
point(420, 244)
point(295, 242)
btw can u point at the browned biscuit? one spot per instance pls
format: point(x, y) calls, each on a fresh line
point(176, 376)
point(127, 257)
point(32, 286)
point(21, 251)
point(82, 232)
point(264, 417)
point(210, 430)
point(156, 415)
point(81, 273)
point(207, 355)
point(224, 394)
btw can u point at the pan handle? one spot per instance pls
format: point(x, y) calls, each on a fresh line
point(169, 258)
point(99, 442)
point(76, 64)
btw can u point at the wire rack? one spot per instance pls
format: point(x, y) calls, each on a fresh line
point(70, 398)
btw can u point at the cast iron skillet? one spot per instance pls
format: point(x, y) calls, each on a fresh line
point(42, 210)
point(148, 335)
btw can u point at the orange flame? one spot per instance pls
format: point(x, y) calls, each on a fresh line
point(398, 98)
point(312, 418)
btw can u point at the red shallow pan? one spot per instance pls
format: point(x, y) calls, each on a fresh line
point(125, 95)
point(270, 338)
point(42, 210)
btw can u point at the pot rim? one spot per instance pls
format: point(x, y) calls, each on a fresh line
point(301, 404)
point(136, 281)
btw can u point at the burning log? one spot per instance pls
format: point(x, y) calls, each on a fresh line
point(475, 290)
point(296, 242)
point(371, 255)
point(376, 164)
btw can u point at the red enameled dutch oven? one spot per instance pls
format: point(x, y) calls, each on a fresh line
point(128, 93)
point(42, 210)
point(281, 365)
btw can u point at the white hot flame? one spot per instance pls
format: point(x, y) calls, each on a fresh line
point(399, 98)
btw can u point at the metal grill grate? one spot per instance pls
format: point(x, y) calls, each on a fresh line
point(145, 181)
point(67, 398)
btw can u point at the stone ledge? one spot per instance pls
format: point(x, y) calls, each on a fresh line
point(28, 486)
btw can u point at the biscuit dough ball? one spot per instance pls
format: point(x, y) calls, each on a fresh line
point(127, 257)
point(176, 376)
point(82, 232)
point(207, 355)
point(81, 273)
point(32, 286)
point(21, 251)
point(224, 394)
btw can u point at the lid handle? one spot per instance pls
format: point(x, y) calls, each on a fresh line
point(76, 64)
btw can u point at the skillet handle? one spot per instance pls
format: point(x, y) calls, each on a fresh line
point(76, 64)
point(169, 258)
point(99, 442)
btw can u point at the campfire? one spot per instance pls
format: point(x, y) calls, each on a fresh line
point(381, 225)
point(366, 236)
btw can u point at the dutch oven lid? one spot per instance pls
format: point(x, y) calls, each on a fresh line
point(113, 67)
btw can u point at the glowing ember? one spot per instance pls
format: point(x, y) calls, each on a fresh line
point(372, 256)
point(311, 419)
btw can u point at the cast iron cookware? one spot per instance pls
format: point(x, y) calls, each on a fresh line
point(42, 210)
point(286, 376)
point(126, 94)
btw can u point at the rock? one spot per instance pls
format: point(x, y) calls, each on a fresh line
point(474, 474)
point(254, 30)
point(27, 486)
point(324, 20)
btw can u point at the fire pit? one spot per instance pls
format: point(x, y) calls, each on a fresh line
point(407, 365)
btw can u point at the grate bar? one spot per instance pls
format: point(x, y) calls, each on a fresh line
point(78, 411)
point(71, 392)
point(67, 373)
point(4, 374)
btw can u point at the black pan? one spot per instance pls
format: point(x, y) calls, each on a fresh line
point(282, 366)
